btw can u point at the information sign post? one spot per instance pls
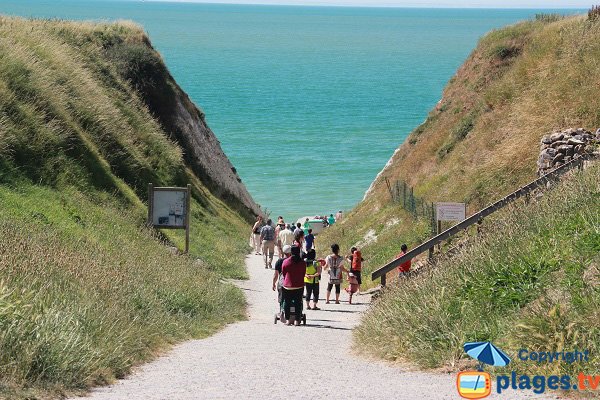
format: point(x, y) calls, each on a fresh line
point(169, 208)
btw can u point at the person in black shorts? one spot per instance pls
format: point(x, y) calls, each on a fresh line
point(334, 264)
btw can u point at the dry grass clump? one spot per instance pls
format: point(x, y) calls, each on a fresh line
point(523, 284)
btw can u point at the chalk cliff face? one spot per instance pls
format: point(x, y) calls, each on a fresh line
point(183, 121)
point(93, 105)
point(205, 156)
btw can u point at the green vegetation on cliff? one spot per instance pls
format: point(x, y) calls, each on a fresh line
point(532, 279)
point(482, 139)
point(86, 290)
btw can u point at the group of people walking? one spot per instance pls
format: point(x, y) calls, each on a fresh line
point(298, 274)
point(298, 271)
point(267, 238)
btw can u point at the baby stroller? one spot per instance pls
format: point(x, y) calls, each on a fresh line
point(280, 316)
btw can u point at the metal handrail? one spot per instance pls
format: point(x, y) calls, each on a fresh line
point(523, 191)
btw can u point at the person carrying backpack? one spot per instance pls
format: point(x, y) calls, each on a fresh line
point(334, 264)
point(311, 279)
point(355, 259)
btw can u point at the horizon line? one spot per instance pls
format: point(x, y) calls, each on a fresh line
point(423, 6)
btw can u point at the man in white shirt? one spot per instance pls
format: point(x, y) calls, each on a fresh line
point(285, 238)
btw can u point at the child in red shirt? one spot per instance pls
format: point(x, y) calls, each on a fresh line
point(403, 268)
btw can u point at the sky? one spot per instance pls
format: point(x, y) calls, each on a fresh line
point(419, 3)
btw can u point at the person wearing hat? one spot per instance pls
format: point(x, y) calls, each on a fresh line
point(278, 278)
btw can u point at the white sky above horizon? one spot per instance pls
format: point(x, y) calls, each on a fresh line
point(414, 3)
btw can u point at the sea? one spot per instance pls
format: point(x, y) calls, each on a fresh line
point(309, 103)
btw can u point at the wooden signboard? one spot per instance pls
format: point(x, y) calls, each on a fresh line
point(169, 208)
point(451, 211)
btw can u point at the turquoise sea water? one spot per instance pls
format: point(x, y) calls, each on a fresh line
point(309, 103)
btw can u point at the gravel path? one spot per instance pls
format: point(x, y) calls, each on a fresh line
point(246, 360)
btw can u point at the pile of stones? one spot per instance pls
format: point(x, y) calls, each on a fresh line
point(561, 147)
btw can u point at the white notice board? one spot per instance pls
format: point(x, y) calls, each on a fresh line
point(451, 211)
point(169, 208)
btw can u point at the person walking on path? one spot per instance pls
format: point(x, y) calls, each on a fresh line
point(298, 228)
point(278, 228)
point(355, 259)
point(404, 268)
point(334, 264)
point(306, 226)
point(278, 279)
point(353, 286)
point(311, 279)
point(256, 234)
point(309, 240)
point(299, 241)
point(267, 236)
point(293, 270)
point(285, 237)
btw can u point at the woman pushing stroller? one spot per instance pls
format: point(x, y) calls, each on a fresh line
point(293, 270)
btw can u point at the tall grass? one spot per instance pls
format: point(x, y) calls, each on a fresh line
point(530, 281)
point(86, 291)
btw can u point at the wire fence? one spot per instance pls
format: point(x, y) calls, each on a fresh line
point(403, 195)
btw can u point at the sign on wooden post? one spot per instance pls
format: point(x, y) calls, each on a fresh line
point(169, 208)
point(451, 211)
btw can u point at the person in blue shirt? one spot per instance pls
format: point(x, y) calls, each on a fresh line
point(309, 240)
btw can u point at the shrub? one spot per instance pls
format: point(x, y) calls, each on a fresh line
point(594, 13)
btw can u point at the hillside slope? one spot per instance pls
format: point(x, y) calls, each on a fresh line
point(89, 115)
point(530, 280)
point(482, 139)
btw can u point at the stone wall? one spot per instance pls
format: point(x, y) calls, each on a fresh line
point(561, 147)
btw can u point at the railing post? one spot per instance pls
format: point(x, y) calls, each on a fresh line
point(383, 280)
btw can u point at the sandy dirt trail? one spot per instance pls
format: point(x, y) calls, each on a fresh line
point(257, 359)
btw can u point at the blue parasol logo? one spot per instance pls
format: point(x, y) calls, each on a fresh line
point(487, 353)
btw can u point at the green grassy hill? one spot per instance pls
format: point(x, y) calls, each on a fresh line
point(482, 139)
point(89, 115)
point(532, 278)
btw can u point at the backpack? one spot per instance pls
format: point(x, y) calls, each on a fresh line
point(335, 271)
